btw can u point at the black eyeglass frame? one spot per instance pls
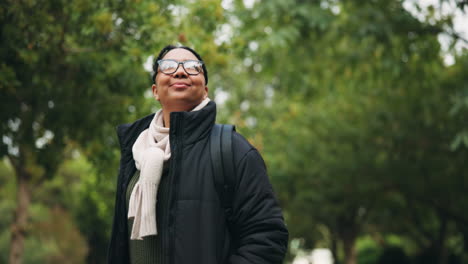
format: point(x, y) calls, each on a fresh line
point(178, 65)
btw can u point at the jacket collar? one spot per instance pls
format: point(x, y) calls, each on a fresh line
point(192, 126)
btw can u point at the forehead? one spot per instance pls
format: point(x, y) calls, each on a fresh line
point(180, 55)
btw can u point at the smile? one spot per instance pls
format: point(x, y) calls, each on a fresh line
point(180, 85)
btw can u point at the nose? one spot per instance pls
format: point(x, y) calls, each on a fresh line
point(180, 72)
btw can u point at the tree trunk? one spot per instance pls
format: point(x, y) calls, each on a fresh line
point(349, 246)
point(20, 220)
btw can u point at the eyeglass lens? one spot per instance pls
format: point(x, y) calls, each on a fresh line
point(190, 66)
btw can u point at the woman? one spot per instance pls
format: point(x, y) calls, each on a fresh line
point(167, 207)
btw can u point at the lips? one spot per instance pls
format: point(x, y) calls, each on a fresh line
point(180, 85)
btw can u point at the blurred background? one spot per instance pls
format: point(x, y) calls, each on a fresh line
point(359, 108)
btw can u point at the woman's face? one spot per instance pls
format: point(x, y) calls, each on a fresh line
point(179, 91)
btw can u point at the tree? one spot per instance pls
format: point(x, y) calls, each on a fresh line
point(65, 67)
point(359, 108)
point(72, 71)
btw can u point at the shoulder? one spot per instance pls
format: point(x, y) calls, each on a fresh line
point(243, 149)
point(127, 133)
point(240, 143)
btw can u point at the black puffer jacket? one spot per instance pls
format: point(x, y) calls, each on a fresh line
point(197, 228)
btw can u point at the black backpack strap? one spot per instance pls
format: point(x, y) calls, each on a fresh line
point(223, 163)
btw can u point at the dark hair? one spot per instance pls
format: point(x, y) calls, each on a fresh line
point(168, 48)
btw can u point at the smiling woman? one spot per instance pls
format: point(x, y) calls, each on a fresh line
point(167, 207)
point(176, 88)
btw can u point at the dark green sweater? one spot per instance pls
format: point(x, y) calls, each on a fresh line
point(150, 249)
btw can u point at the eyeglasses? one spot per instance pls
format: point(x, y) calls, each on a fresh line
point(191, 67)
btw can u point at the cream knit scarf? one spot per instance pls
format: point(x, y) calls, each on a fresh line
point(150, 150)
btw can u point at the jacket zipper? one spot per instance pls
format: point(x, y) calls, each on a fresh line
point(173, 187)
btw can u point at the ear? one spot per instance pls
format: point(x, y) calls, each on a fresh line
point(155, 91)
point(206, 92)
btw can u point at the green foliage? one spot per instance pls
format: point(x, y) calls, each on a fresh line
point(53, 236)
point(362, 126)
point(368, 251)
point(358, 134)
point(63, 69)
point(7, 205)
point(457, 79)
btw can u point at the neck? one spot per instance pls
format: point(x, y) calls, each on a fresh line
point(167, 118)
